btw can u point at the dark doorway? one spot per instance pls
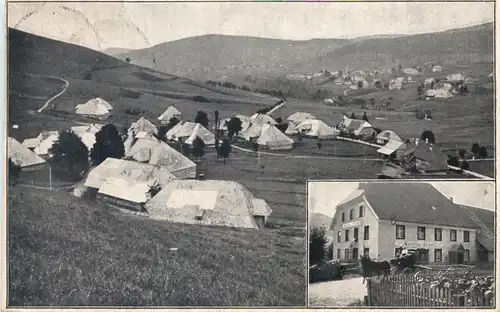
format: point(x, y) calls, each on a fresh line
point(460, 258)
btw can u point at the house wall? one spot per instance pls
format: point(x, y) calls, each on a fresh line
point(210, 217)
point(186, 173)
point(388, 242)
point(369, 219)
point(34, 167)
point(119, 203)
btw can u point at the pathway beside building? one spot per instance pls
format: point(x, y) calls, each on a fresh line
point(340, 293)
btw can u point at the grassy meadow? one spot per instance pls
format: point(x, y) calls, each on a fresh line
point(68, 251)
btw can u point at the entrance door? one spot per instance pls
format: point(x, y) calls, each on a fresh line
point(460, 258)
point(355, 254)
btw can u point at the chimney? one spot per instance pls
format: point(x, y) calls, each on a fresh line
point(451, 199)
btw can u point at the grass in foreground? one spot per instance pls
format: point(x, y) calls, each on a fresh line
point(65, 251)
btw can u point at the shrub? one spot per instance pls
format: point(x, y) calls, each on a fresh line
point(427, 134)
point(199, 98)
point(201, 118)
point(483, 152)
point(70, 157)
point(453, 161)
point(475, 149)
point(317, 242)
point(233, 126)
point(14, 171)
point(108, 144)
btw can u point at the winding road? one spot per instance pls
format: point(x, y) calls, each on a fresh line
point(64, 81)
point(66, 85)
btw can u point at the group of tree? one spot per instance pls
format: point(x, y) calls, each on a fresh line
point(70, 156)
point(318, 249)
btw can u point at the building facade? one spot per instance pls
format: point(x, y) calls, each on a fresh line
point(359, 228)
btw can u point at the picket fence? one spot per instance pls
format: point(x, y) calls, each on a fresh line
point(404, 291)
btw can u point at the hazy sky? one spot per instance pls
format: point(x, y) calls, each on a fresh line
point(324, 196)
point(139, 25)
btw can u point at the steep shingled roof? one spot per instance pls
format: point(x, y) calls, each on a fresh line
point(414, 202)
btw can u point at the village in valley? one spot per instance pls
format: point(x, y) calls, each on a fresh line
point(162, 175)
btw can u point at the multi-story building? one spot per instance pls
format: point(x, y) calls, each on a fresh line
point(379, 219)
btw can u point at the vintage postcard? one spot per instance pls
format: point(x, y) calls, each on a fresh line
point(159, 153)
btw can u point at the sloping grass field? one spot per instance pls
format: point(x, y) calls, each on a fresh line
point(67, 251)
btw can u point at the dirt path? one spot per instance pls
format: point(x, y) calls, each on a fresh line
point(307, 156)
point(66, 85)
point(337, 293)
point(64, 81)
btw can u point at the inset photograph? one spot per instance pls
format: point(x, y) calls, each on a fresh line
point(404, 244)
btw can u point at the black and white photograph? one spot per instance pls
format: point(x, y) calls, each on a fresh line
point(402, 244)
point(159, 153)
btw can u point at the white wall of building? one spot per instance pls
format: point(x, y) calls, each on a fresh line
point(369, 219)
point(388, 242)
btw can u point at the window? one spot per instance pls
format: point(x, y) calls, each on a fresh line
point(466, 255)
point(466, 237)
point(366, 233)
point(366, 251)
point(346, 254)
point(400, 232)
point(438, 255)
point(453, 235)
point(343, 216)
point(338, 253)
point(351, 214)
point(361, 211)
point(346, 235)
point(438, 235)
point(339, 236)
point(356, 230)
point(420, 233)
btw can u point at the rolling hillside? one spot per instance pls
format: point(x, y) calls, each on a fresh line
point(317, 220)
point(212, 56)
point(458, 46)
point(91, 74)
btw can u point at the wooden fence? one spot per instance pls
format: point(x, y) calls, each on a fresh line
point(404, 291)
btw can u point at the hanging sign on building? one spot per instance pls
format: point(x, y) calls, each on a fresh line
point(351, 224)
point(420, 244)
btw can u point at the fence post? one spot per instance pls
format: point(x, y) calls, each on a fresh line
point(460, 299)
point(369, 292)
